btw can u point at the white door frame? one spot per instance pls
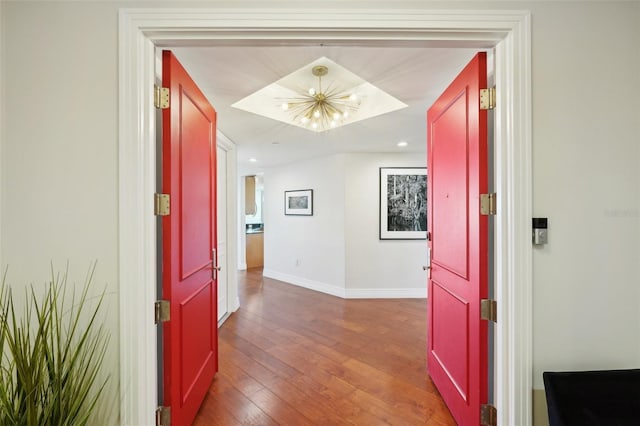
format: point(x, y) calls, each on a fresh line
point(141, 30)
point(231, 207)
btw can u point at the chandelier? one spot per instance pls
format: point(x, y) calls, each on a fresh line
point(322, 109)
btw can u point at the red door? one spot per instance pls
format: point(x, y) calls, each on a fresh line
point(190, 339)
point(457, 164)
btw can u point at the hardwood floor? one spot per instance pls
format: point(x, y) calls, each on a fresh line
point(292, 356)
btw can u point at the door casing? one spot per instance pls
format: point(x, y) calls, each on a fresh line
point(231, 209)
point(507, 31)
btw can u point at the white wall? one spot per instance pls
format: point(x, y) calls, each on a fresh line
point(338, 250)
point(586, 85)
point(59, 162)
point(241, 249)
point(59, 150)
point(306, 250)
point(390, 268)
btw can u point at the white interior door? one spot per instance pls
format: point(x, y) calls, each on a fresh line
point(223, 276)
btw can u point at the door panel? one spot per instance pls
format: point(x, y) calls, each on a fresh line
point(190, 349)
point(196, 323)
point(195, 188)
point(457, 163)
point(449, 335)
point(452, 192)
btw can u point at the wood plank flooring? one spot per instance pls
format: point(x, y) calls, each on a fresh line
point(292, 356)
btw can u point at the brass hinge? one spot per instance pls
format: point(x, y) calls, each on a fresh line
point(488, 415)
point(161, 204)
point(488, 98)
point(162, 311)
point(163, 416)
point(161, 97)
point(488, 204)
point(489, 310)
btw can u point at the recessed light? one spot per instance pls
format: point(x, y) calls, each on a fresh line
point(402, 144)
point(253, 160)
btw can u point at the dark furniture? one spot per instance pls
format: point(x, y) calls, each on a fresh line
point(593, 398)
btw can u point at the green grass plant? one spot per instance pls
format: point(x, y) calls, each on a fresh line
point(51, 353)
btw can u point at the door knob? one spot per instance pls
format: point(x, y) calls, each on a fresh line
point(426, 268)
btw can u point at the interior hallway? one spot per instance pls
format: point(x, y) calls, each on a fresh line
point(293, 356)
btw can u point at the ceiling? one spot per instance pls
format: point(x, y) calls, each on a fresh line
point(414, 75)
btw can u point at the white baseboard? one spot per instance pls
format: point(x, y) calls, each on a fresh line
point(386, 293)
point(236, 305)
point(306, 283)
point(348, 293)
point(223, 319)
point(231, 310)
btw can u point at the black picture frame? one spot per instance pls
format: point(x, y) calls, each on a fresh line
point(403, 203)
point(298, 202)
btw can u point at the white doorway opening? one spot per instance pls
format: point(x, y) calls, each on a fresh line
point(142, 30)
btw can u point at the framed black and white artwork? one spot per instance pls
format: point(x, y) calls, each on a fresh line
point(403, 203)
point(298, 203)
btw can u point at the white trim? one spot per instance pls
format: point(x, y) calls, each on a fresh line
point(347, 293)
point(137, 228)
point(508, 31)
point(3, 138)
point(235, 306)
point(223, 319)
point(386, 293)
point(514, 183)
point(331, 289)
point(232, 220)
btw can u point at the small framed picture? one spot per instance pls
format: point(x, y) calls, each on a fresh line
point(403, 203)
point(298, 203)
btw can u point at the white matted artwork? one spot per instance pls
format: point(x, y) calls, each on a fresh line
point(403, 203)
point(298, 203)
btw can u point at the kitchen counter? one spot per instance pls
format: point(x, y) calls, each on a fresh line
point(254, 228)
